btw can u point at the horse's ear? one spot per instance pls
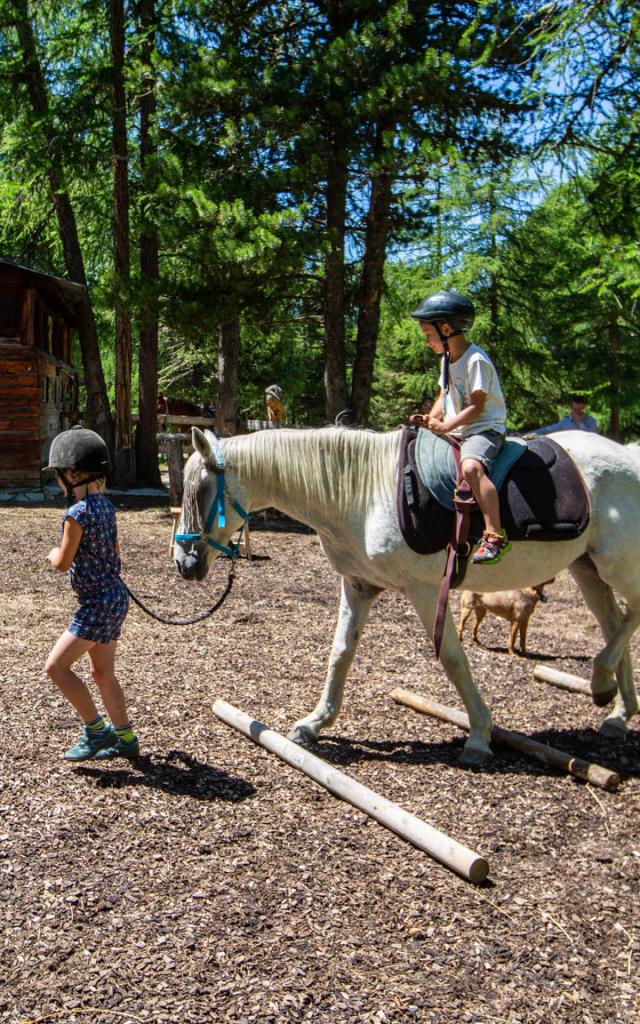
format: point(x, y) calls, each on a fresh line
point(202, 445)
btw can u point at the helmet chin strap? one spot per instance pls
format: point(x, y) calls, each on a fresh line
point(70, 487)
point(446, 356)
point(444, 338)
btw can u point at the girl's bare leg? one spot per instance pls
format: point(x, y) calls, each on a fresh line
point(103, 657)
point(484, 492)
point(67, 650)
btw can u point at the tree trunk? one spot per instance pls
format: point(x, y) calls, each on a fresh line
point(148, 470)
point(371, 283)
point(124, 451)
point(335, 356)
point(228, 361)
point(98, 414)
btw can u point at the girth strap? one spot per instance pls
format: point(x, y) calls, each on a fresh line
point(458, 549)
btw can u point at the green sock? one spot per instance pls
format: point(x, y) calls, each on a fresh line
point(126, 733)
point(99, 724)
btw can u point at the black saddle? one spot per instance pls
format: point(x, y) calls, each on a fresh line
point(543, 497)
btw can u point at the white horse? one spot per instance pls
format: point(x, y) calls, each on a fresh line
point(342, 483)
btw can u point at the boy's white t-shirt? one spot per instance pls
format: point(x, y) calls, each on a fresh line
point(474, 371)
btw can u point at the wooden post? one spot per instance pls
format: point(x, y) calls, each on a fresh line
point(452, 854)
point(245, 543)
point(550, 756)
point(563, 680)
point(175, 515)
point(173, 447)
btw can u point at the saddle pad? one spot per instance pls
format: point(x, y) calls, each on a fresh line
point(437, 467)
point(543, 497)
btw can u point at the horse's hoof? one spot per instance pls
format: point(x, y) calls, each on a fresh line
point(614, 727)
point(474, 758)
point(303, 736)
point(604, 697)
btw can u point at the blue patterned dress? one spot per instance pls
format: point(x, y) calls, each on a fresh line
point(95, 572)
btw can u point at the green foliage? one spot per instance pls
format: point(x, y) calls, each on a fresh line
point(248, 96)
point(406, 371)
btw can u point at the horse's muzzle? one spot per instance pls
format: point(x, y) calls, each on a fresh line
point(191, 565)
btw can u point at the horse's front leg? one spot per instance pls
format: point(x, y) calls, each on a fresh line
point(355, 604)
point(477, 749)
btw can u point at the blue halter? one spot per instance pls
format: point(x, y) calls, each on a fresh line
point(217, 509)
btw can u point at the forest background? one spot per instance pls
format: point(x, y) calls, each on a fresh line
point(257, 192)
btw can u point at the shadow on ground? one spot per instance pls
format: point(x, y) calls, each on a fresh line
point(176, 773)
point(621, 756)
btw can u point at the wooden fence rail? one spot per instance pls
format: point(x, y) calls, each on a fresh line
point(176, 445)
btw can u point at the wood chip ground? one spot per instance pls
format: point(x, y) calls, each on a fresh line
point(212, 883)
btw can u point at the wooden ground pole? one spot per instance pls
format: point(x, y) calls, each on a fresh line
point(564, 680)
point(452, 854)
point(550, 756)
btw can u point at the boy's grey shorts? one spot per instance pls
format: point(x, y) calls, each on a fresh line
point(484, 447)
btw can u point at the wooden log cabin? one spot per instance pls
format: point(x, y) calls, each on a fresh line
point(38, 383)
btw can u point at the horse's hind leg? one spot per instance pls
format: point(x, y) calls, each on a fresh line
point(614, 657)
point(626, 701)
point(355, 604)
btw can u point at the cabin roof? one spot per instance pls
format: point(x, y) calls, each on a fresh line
point(64, 296)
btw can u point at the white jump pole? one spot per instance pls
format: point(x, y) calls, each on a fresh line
point(563, 680)
point(550, 756)
point(452, 854)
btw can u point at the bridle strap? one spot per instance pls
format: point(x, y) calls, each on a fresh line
point(218, 509)
point(230, 549)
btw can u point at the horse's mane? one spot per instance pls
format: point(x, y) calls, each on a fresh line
point(333, 465)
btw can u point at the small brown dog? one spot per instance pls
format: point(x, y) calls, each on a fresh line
point(516, 606)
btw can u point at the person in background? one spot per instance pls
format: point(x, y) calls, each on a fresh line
point(275, 408)
point(577, 419)
point(470, 407)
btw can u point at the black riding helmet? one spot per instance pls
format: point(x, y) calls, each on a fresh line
point(80, 449)
point(456, 309)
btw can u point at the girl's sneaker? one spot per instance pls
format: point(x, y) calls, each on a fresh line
point(492, 548)
point(120, 748)
point(90, 743)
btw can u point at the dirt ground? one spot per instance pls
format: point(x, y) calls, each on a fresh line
point(210, 882)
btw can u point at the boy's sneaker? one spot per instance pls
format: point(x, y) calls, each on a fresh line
point(121, 748)
point(491, 549)
point(90, 744)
